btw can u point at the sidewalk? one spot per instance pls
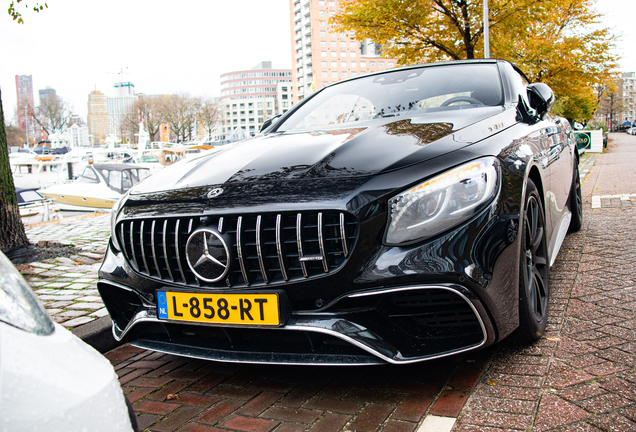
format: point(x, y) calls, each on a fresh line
point(580, 376)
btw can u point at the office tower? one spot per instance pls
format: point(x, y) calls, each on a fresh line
point(97, 118)
point(320, 56)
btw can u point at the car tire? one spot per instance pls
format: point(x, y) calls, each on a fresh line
point(533, 270)
point(576, 203)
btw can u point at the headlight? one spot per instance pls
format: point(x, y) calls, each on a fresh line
point(19, 307)
point(113, 220)
point(442, 202)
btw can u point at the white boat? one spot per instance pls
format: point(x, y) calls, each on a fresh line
point(98, 187)
point(34, 208)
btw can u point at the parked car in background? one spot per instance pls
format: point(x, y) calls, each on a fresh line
point(396, 217)
point(49, 379)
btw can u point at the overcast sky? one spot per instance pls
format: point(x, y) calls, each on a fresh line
point(164, 47)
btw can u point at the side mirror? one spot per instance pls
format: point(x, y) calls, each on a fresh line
point(541, 98)
point(270, 121)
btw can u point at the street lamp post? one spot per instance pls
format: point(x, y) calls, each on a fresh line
point(486, 31)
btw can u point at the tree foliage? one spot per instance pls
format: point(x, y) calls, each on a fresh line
point(15, 13)
point(558, 42)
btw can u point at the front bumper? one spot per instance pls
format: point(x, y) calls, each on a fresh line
point(396, 325)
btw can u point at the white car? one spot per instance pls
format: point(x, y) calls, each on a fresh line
point(50, 380)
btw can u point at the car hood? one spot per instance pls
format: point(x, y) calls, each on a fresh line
point(375, 148)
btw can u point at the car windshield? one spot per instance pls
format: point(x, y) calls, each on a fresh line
point(400, 92)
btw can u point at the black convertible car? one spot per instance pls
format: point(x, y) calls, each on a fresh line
point(396, 217)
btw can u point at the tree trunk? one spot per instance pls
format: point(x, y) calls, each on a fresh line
point(12, 233)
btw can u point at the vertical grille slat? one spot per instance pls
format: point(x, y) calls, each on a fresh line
point(239, 249)
point(299, 237)
point(176, 249)
point(321, 244)
point(259, 248)
point(263, 248)
point(279, 247)
point(143, 246)
point(165, 249)
point(153, 234)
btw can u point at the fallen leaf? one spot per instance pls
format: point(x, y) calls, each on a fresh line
point(553, 339)
point(492, 383)
point(172, 397)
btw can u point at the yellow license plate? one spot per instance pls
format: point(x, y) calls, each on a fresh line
point(237, 309)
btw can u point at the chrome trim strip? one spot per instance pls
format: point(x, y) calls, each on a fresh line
point(279, 248)
point(220, 227)
point(143, 249)
point(132, 244)
point(239, 249)
point(321, 244)
point(343, 235)
point(259, 252)
point(190, 225)
point(176, 248)
point(165, 248)
point(299, 241)
point(154, 248)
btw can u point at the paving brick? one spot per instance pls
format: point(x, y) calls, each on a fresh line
point(374, 396)
point(196, 399)
point(134, 374)
point(298, 415)
point(259, 404)
point(146, 420)
point(137, 394)
point(171, 388)
point(234, 392)
point(176, 418)
point(248, 424)
point(496, 420)
point(219, 411)
point(334, 405)
point(465, 379)
point(413, 408)
point(195, 427)
point(399, 426)
point(299, 395)
point(510, 406)
point(150, 382)
point(371, 418)
point(449, 403)
point(154, 407)
point(330, 422)
point(554, 412)
point(207, 383)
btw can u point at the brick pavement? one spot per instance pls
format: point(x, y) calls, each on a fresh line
point(67, 285)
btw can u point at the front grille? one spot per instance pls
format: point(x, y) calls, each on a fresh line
point(264, 248)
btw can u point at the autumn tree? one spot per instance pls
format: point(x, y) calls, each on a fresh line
point(15, 136)
point(13, 239)
point(557, 42)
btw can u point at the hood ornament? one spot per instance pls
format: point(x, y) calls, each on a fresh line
point(215, 193)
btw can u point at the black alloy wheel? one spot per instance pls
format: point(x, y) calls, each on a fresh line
point(576, 203)
point(534, 270)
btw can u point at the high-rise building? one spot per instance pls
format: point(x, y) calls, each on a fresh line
point(249, 97)
point(97, 118)
point(48, 91)
point(124, 89)
point(320, 56)
point(24, 90)
point(628, 87)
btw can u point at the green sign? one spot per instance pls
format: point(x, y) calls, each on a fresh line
point(583, 140)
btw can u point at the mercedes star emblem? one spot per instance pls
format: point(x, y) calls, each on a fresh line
point(215, 192)
point(207, 255)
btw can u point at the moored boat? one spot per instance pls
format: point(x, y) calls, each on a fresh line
point(97, 188)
